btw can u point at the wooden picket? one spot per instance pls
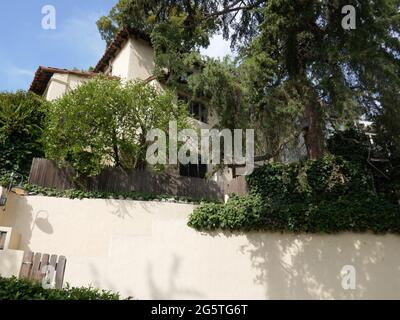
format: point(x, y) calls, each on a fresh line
point(45, 173)
point(33, 263)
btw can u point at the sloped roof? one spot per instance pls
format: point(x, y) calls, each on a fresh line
point(44, 74)
point(117, 44)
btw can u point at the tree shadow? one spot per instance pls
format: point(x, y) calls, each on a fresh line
point(308, 266)
point(174, 291)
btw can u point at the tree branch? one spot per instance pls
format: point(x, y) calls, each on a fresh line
point(267, 156)
point(233, 7)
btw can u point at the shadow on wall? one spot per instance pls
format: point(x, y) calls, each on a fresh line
point(27, 222)
point(143, 51)
point(174, 291)
point(124, 209)
point(309, 266)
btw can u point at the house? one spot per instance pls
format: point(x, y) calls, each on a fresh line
point(129, 57)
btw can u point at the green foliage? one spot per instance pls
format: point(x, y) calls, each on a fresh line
point(218, 85)
point(351, 144)
point(354, 145)
point(328, 178)
point(104, 122)
point(201, 16)
point(346, 213)
point(17, 289)
point(298, 70)
point(21, 124)
point(328, 195)
point(243, 213)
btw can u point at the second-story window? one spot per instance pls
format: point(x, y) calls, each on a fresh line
point(198, 111)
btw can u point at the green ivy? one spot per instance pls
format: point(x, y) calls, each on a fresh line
point(325, 196)
point(17, 289)
point(328, 178)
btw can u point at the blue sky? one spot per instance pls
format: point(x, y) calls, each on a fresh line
point(75, 43)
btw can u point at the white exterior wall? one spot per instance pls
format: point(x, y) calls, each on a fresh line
point(10, 263)
point(121, 63)
point(60, 84)
point(56, 87)
point(135, 61)
point(141, 61)
point(146, 250)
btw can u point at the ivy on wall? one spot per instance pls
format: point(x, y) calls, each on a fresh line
point(328, 195)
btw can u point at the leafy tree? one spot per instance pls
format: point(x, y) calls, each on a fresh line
point(179, 27)
point(104, 122)
point(351, 144)
point(333, 75)
point(21, 124)
point(239, 18)
point(299, 71)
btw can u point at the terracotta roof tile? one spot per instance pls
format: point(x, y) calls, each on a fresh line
point(44, 74)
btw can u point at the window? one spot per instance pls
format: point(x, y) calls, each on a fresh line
point(196, 110)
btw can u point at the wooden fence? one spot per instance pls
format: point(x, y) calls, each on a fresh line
point(237, 185)
point(34, 268)
point(46, 174)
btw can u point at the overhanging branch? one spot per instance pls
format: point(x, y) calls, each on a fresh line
point(233, 7)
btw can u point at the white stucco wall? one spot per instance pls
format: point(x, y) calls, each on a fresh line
point(56, 87)
point(141, 60)
point(10, 263)
point(60, 84)
point(121, 63)
point(135, 61)
point(146, 250)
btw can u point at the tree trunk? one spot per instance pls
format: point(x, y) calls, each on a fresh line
point(313, 133)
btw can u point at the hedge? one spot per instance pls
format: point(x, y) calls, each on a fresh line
point(17, 289)
point(329, 195)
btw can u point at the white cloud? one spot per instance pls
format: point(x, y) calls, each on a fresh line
point(13, 70)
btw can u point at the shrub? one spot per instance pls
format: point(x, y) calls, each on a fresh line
point(21, 124)
point(329, 195)
point(17, 289)
point(328, 178)
point(104, 122)
point(344, 214)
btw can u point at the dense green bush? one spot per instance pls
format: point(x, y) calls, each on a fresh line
point(21, 123)
point(104, 122)
point(17, 289)
point(329, 195)
point(327, 178)
point(344, 214)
